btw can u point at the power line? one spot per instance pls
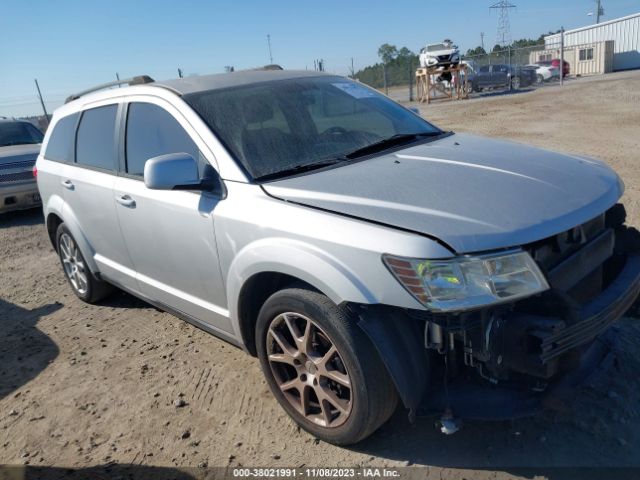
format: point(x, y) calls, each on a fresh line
point(503, 37)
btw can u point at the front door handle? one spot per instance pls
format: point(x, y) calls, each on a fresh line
point(126, 200)
point(68, 184)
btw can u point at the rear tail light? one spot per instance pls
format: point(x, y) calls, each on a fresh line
point(35, 172)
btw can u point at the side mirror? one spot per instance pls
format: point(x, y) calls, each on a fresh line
point(415, 110)
point(178, 171)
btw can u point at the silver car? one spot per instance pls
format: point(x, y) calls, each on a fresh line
point(19, 147)
point(365, 256)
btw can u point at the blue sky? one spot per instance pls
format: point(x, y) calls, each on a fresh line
point(69, 45)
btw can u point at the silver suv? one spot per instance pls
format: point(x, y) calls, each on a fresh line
point(362, 254)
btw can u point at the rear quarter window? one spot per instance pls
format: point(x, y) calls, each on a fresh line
point(61, 141)
point(96, 144)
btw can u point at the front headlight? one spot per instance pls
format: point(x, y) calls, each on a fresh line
point(467, 282)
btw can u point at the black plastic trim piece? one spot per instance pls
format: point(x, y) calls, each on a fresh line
point(399, 343)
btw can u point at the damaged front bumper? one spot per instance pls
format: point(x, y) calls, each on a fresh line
point(512, 361)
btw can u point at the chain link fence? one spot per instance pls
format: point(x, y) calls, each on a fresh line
point(504, 70)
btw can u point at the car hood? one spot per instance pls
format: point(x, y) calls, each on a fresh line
point(474, 194)
point(19, 153)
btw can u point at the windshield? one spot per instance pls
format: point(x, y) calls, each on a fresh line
point(288, 125)
point(438, 46)
point(19, 133)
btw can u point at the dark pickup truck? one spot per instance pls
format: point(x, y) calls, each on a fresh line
point(497, 76)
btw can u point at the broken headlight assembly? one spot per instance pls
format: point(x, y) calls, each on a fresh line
point(468, 282)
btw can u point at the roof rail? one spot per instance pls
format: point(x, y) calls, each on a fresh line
point(139, 80)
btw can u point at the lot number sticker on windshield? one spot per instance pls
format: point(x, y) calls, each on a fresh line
point(355, 90)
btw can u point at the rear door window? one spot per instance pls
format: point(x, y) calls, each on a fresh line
point(62, 139)
point(151, 132)
point(96, 144)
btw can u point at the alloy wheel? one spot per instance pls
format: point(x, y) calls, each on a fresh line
point(73, 264)
point(309, 370)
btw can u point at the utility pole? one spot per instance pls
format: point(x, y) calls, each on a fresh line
point(353, 73)
point(179, 72)
point(384, 78)
point(118, 78)
point(270, 54)
point(44, 109)
point(482, 40)
point(561, 56)
point(599, 11)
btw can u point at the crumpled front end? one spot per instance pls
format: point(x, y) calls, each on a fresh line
point(510, 360)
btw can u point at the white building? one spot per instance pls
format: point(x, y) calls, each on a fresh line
point(624, 31)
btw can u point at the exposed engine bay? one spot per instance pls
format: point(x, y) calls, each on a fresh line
point(591, 270)
point(506, 361)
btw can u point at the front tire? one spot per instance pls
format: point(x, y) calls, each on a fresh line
point(322, 368)
point(86, 287)
point(539, 79)
point(515, 83)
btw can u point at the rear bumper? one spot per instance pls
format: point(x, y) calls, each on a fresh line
point(19, 196)
point(590, 341)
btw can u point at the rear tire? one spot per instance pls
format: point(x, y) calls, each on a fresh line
point(82, 281)
point(539, 79)
point(340, 397)
point(515, 83)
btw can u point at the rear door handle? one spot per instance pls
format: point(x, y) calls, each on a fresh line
point(126, 200)
point(68, 184)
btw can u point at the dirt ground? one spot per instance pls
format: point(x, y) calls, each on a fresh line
point(85, 385)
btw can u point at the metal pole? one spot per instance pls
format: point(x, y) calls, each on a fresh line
point(384, 78)
point(411, 80)
point(598, 11)
point(44, 109)
point(561, 56)
point(269, 42)
point(118, 78)
point(180, 72)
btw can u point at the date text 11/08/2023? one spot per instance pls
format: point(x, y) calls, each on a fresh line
point(315, 473)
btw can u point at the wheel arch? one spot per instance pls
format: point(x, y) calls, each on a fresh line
point(255, 291)
point(262, 269)
point(53, 222)
point(57, 216)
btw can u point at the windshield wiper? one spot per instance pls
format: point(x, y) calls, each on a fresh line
point(301, 168)
point(392, 141)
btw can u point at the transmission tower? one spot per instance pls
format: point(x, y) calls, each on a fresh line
point(503, 37)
